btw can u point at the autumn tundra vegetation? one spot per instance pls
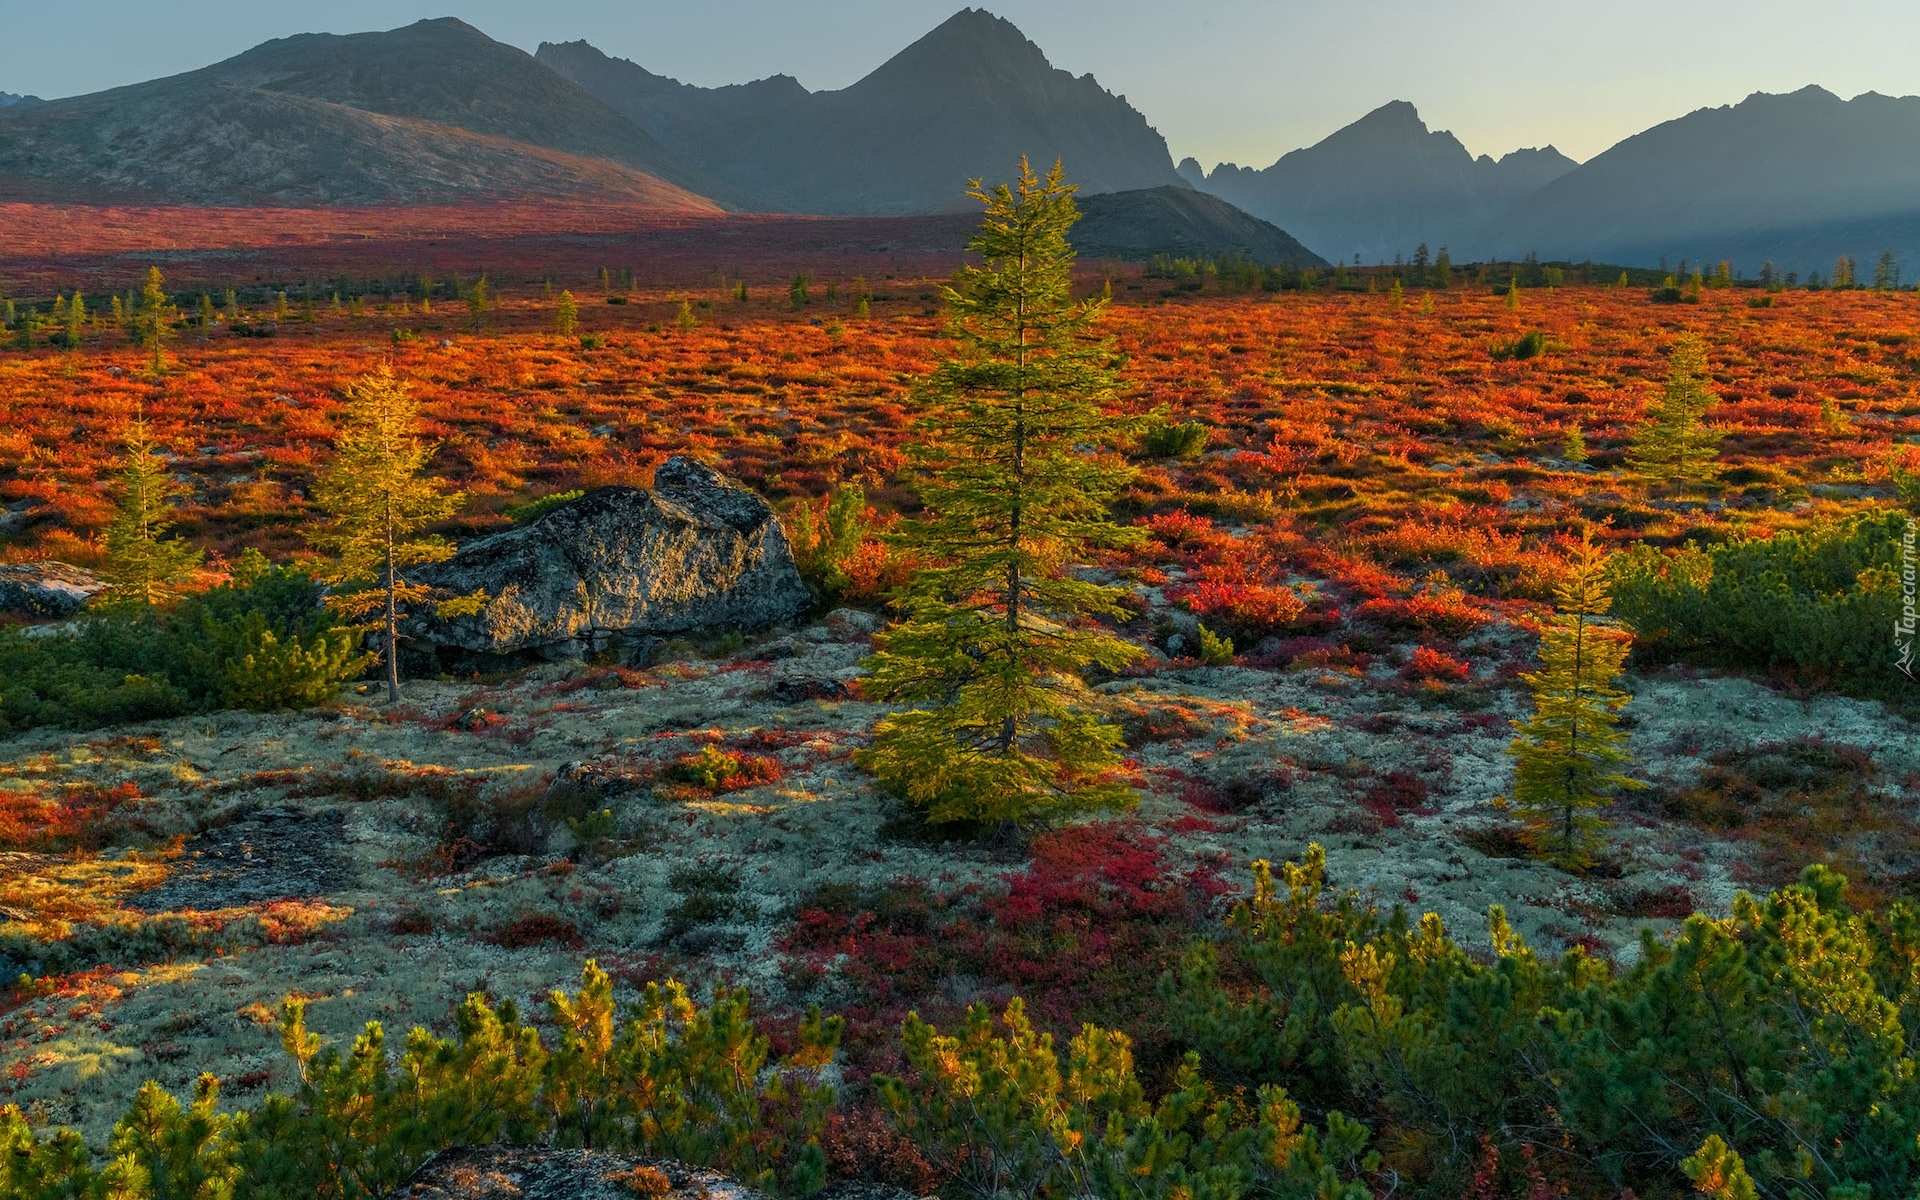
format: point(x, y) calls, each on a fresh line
point(1037, 481)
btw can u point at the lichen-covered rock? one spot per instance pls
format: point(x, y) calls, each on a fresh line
point(49, 590)
point(539, 1173)
point(698, 552)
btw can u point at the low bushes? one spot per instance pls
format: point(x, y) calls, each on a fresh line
point(1819, 604)
point(262, 641)
point(1325, 1049)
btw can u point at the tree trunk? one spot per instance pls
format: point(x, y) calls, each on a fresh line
point(393, 628)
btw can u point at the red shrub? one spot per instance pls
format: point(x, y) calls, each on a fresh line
point(1428, 664)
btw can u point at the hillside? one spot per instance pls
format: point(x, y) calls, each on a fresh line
point(1382, 185)
point(697, 124)
point(964, 101)
point(9, 99)
point(433, 111)
point(1179, 221)
point(1798, 178)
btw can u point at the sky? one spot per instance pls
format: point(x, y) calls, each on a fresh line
point(1236, 80)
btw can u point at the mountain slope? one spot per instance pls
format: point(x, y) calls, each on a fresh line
point(436, 110)
point(964, 101)
point(1382, 185)
point(9, 99)
point(1184, 223)
point(1799, 178)
point(694, 123)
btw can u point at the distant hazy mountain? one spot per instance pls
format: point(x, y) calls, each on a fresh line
point(1799, 179)
point(434, 111)
point(697, 124)
point(1382, 185)
point(1184, 223)
point(9, 99)
point(964, 101)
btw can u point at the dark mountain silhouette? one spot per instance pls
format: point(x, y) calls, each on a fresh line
point(1382, 185)
point(434, 111)
point(697, 124)
point(964, 101)
point(9, 99)
point(1799, 179)
point(1183, 223)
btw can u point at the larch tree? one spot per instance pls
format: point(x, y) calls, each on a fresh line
point(378, 498)
point(566, 314)
point(1570, 752)
point(1675, 445)
point(995, 635)
point(153, 319)
point(76, 317)
point(145, 566)
point(478, 299)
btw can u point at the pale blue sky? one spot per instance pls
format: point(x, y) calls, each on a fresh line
point(1245, 80)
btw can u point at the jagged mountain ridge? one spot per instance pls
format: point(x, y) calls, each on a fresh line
point(9, 99)
point(1381, 185)
point(964, 101)
point(433, 111)
point(1799, 178)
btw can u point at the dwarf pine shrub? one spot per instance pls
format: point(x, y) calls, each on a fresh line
point(262, 641)
point(1819, 603)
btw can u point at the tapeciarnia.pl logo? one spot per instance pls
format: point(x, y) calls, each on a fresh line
point(1904, 627)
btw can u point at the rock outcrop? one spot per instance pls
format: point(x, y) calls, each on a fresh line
point(540, 1173)
point(48, 590)
point(617, 569)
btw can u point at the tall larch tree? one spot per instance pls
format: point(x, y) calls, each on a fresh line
point(994, 641)
point(145, 566)
point(1675, 445)
point(566, 314)
point(1570, 752)
point(378, 498)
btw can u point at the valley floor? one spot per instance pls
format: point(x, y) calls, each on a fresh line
point(357, 856)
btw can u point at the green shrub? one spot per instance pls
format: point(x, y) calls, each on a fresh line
point(1528, 345)
point(1818, 603)
point(1164, 440)
point(525, 512)
point(262, 641)
point(825, 537)
point(1770, 1048)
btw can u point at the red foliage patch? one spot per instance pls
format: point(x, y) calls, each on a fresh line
point(1428, 664)
point(79, 817)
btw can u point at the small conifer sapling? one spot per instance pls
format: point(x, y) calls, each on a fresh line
point(1569, 754)
point(378, 498)
point(995, 640)
point(145, 566)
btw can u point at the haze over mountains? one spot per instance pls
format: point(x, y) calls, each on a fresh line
point(964, 101)
point(1382, 185)
point(438, 112)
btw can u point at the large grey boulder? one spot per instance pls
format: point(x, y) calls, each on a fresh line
point(49, 590)
point(620, 565)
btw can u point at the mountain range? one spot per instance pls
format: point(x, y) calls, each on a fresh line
point(963, 102)
point(438, 112)
point(1382, 185)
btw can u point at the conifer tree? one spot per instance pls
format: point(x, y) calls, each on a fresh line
point(1675, 446)
point(989, 652)
point(76, 317)
point(685, 320)
point(1513, 291)
point(378, 497)
point(477, 300)
point(144, 565)
point(152, 323)
point(1575, 449)
point(1570, 751)
point(566, 314)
